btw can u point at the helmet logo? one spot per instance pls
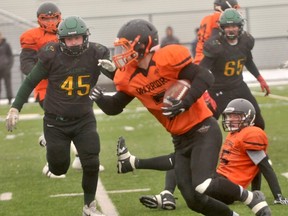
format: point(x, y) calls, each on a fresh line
point(72, 33)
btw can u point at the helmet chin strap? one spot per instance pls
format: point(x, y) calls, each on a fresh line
point(232, 41)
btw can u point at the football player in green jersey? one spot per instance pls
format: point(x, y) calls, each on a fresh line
point(72, 69)
point(225, 55)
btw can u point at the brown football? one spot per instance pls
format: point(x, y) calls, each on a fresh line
point(177, 90)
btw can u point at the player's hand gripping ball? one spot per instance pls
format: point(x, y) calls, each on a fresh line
point(173, 97)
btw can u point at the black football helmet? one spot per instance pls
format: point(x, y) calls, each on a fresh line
point(45, 13)
point(222, 5)
point(69, 27)
point(135, 40)
point(238, 114)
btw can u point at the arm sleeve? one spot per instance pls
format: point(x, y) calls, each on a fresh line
point(201, 79)
point(113, 105)
point(270, 177)
point(250, 65)
point(37, 74)
point(28, 59)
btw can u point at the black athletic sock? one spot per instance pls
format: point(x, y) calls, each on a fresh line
point(162, 163)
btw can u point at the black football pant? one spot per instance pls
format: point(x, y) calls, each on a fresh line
point(223, 97)
point(196, 157)
point(82, 132)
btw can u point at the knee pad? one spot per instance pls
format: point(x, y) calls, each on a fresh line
point(58, 169)
point(91, 164)
point(201, 188)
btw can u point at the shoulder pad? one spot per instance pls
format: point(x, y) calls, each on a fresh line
point(29, 38)
point(48, 51)
point(212, 47)
point(173, 56)
point(254, 138)
point(248, 39)
point(100, 50)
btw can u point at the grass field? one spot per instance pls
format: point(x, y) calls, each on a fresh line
point(22, 160)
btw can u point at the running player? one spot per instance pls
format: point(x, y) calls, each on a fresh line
point(71, 68)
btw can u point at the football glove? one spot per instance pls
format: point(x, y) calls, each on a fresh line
point(107, 65)
point(281, 200)
point(96, 93)
point(12, 119)
point(209, 101)
point(264, 85)
point(176, 108)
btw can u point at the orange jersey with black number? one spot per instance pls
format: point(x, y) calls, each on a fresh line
point(235, 164)
point(208, 24)
point(35, 39)
point(150, 85)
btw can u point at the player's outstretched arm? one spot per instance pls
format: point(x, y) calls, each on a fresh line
point(271, 178)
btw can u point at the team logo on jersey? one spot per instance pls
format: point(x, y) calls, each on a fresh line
point(152, 86)
point(204, 129)
point(51, 48)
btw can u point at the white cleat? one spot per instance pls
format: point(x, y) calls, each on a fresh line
point(77, 163)
point(42, 141)
point(78, 166)
point(47, 173)
point(91, 210)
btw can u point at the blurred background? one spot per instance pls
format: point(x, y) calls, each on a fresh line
point(266, 20)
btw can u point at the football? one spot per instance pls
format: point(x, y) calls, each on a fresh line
point(177, 90)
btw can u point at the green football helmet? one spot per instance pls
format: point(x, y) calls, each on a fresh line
point(231, 17)
point(69, 27)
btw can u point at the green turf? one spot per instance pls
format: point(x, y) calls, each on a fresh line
point(21, 162)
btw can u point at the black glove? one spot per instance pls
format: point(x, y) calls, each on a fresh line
point(281, 200)
point(176, 108)
point(96, 93)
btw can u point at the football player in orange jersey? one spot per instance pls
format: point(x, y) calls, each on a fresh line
point(49, 17)
point(244, 151)
point(145, 72)
point(243, 155)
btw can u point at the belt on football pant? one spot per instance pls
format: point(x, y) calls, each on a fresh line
point(61, 118)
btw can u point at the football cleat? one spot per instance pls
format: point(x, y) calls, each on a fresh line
point(91, 210)
point(256, 202)
point(78, 166)
point(49, 174)
point(126, 161)
point(164, 200)
point(281, 200)
point(77, 163)
point(42, 141)
point(101, 168)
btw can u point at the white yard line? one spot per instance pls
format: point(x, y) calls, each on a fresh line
point(66, 195)
point(5, 196)
point(107, 207)
point(285, 175)
point(129, 191)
